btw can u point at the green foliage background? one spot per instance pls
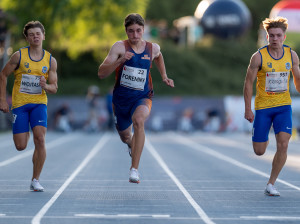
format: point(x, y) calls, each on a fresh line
point(79, 33)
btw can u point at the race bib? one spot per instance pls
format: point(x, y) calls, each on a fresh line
point(277, 81)
point(134, 78)
point(30, 84)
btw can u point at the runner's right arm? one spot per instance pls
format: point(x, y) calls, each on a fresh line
point(251, 74)
point(7, 70)
point(115, 57)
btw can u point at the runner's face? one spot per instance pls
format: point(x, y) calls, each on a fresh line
point(35, 36)
point(135, 33)
point(276, 37)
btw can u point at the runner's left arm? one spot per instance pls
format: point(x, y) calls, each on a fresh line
point(160, 64)
point(296, 71)
point(51, 86)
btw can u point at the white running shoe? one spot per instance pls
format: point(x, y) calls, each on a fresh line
point(134, 176)
point(271, 190)
point(36, 186)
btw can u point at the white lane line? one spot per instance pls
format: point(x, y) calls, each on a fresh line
point(209, 151)
point(123, 216)
point(29, 152)
point(261, 217)
point(1, 215)
point(160, 161)
point(37, 218)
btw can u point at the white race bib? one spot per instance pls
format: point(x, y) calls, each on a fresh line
point(277, 81)
point(134, 78)
point(30, 84)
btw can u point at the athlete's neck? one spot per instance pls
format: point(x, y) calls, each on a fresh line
point(276, 52)
point(36, 52)
point(138, 47)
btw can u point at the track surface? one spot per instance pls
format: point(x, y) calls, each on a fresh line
point(185, 178)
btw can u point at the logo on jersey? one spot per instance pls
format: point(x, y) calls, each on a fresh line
point(44, 69)
point(269, 64)
point(26, 64)
point(146, 57)
point(288, 66)
point(29, 70)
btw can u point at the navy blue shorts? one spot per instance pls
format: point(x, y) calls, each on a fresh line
point(122, 115)
point(33, 114)
point(280, 117)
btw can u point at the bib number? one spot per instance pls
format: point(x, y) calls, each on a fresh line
point(277, 81)
point(30, 84)
point(134, 78)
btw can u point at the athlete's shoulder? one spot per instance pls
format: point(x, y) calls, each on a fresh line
point(256, 55)
point(118, 47)
point(15, 59)
point(155, 50)
point(155, 46)
point(256, 60)
point(120, 43)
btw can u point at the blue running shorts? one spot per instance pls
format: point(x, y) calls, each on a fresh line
point(280, 117)
point(33, 114)
point(123, 114)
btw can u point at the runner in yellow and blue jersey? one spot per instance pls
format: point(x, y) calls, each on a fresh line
point(133, 91)
point(271, 65)
point(35, 75)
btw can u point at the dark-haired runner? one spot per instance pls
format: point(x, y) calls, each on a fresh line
point(131, 59)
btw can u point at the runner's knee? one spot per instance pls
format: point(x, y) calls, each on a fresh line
point(138, 122)
point(259, 150)
point(20, 146)
point(39, 140)
point(282, 147)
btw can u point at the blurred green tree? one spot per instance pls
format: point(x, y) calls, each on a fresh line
point(76, 26)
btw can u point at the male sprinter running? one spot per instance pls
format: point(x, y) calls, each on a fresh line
point(32, 67)
point(271, 65)
point(133, 91)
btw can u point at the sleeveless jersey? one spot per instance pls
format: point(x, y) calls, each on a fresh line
point(27, 77)
point(133, 78)
point(272, 86)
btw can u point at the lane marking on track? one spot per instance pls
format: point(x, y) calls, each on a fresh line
point(29, 152)
point(123, 216)
point(37, 218)
point(190, 199)
point(261, 217)
point(192, 144)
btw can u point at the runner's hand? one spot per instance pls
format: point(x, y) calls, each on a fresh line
point(249, 116)
point(4, 106)
point(169, 82)
point(127, 56)
point(43, 82)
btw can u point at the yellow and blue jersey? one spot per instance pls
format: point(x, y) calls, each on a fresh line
point(272, 86)
point(26, 89)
